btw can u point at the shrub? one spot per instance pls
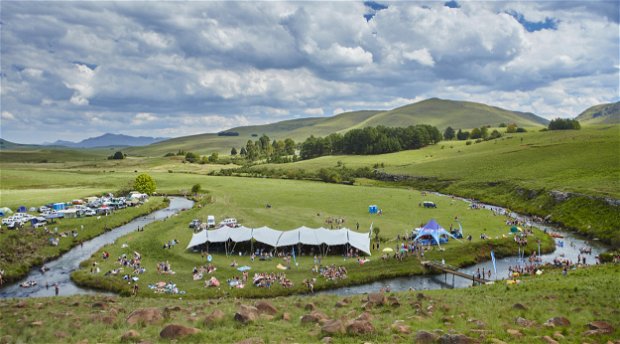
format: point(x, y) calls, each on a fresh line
point(468, 142)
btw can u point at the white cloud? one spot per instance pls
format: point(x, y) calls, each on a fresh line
point(422, 56)
point(143, 117)
point(314, 111)
point(7, 116)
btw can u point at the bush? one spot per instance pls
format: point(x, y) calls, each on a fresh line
point(521, 130)
point(468, 142)
point(145, 184)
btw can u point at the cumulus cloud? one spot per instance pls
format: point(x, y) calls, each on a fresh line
point(73, 70)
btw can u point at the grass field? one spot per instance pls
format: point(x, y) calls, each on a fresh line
point(483, 313)
point(295, 204)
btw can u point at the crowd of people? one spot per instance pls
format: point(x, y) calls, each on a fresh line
point(333, 272)
point(266, 280)
point(164, 268)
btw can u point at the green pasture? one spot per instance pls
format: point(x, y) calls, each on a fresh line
point(482, 313)
point(295, 204)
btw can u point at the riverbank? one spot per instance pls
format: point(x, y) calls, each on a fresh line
point(26, 248)
point(510, 313)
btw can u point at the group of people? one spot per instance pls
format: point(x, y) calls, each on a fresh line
point(164, 268)
point(266, 280)
point(333, 272)
point(171, 243)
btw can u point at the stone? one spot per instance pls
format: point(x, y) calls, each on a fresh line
point(21, 304)
point(497, 341)
point(145, 316)
point(424, 337)
point(327, 340)
point(61, 334)
point(174, 331)
point(36, 323)
point(549, 340)
point(334, 326)
point(286, 316)
point(455, 339)
point(524, 322)
point(130, 336)
point(265, 307)
point(310, 306)
point(364, 316)
point(601, 326)
point(215, 316)
point(251, 340)
point(393, 301)
point(377, 299)
point(420, 297)
point(314, 317)
point(519, 307)
point(558, 321)
point(514, 333)
point(360, 327)
point(340, 304)
point(400, 327)
point(558, 335)
point(246, 314)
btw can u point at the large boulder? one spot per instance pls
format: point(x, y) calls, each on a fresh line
point(265, 307)
point(360, 327)
point(601, 326)
point(145, 316)
point(246, 314)
point(333, 327)
point(174, 331)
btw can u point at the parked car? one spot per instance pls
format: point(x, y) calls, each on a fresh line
point(194, 224)
point(211, 221)
point(43, 209)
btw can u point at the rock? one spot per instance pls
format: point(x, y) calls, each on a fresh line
point(377, 299)
point(105, 319)
point(497, 341)
point(21, 304)
point(524, 322)
point(333, 327)
point(61, 334)
point(265, 307)
point(420, 297)
point(557, 321)
point(364, 316)
point(99, 305)
point(549, 340)
point(455, 339)
point(314, 317)
point(602, 326)
point(174, 331)
point(424, 337)
point(393, 301)
point(400, 327)
point(327, 340)
point(286, 316)
point(130, 336)
point(36, 323)
point(519, 307)
point(215, 316)
point(145, 316)
point(310, 307)
point(514, 333)
point(558, 336)
point(246, 314)
point(360, 327)
point(251, 340)
point(340, 304)
point(267, 317)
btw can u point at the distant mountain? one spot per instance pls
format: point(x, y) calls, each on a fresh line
point(108, 140)
point(601, 114)
point(438, 112)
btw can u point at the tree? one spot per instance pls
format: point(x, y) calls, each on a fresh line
point(484, 133)
point(117, 156)
point(475, 134)
point(213, 157)
point(145, 184)
point(251, 151)
point(243, 152)
point(192, 157)
point(564, 124)
point(233, 151)
point(377, 230)
point(462, 135)
point(196, 188)
point(512, 128)
point(289, 146)
point(448, 134)
point(495, 134)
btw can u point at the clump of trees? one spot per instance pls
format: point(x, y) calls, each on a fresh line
point(228, 133)
point(371, 140)
point(564, 124)
point(144, 183)
point(274, 151)
point(117, 156)
point(478, 134)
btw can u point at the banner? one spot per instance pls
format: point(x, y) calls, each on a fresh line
point(493, 260)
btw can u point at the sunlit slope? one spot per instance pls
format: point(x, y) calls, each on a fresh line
point(601, 114)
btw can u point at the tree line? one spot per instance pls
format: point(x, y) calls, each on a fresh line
point(564, 124)
point(371, 140)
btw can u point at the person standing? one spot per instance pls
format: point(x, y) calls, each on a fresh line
point(56, 288)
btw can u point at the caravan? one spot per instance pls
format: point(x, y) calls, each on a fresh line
point(211, 221)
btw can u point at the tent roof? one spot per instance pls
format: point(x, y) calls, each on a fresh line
point(332, 237)
point(307, 236)
point(289, 238)
point(267, 236)
point(360, 241)
point(432, 224)
point(240, 234)
point(433, 229)
point(198, 239)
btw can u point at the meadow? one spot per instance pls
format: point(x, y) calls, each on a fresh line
point(496, 313)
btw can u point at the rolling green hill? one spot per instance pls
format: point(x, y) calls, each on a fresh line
point(457, 114)
point(437, 112)
point(601, 114)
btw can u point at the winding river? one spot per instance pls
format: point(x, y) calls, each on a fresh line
point(61, 268)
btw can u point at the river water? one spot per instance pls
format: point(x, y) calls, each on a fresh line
point(61, 268)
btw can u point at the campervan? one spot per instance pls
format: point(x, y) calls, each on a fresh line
point(211, 221)
point(230, 222)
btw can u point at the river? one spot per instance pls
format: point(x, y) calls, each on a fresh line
point(60, 269)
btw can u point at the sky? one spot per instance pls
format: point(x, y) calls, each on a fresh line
point(72, 70)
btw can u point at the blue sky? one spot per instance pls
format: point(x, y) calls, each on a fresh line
point(71, 70)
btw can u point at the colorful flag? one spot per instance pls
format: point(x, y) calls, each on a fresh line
point(493, 259)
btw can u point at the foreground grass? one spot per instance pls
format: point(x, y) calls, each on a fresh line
point(293, 208)
point(24, 248)
point(483, 313)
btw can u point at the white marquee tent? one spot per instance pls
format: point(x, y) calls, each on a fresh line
point(275, 238)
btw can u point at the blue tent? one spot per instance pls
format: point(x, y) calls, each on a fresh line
point(434, 230)
point(372, 209)
point(22, 209)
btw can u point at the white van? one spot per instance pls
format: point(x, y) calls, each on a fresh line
point(211, 221)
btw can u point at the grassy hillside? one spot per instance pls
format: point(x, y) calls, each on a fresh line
point(437, 112)
point(601, 114)
point(574, 176)
point(457, 114)
point(487, 314)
